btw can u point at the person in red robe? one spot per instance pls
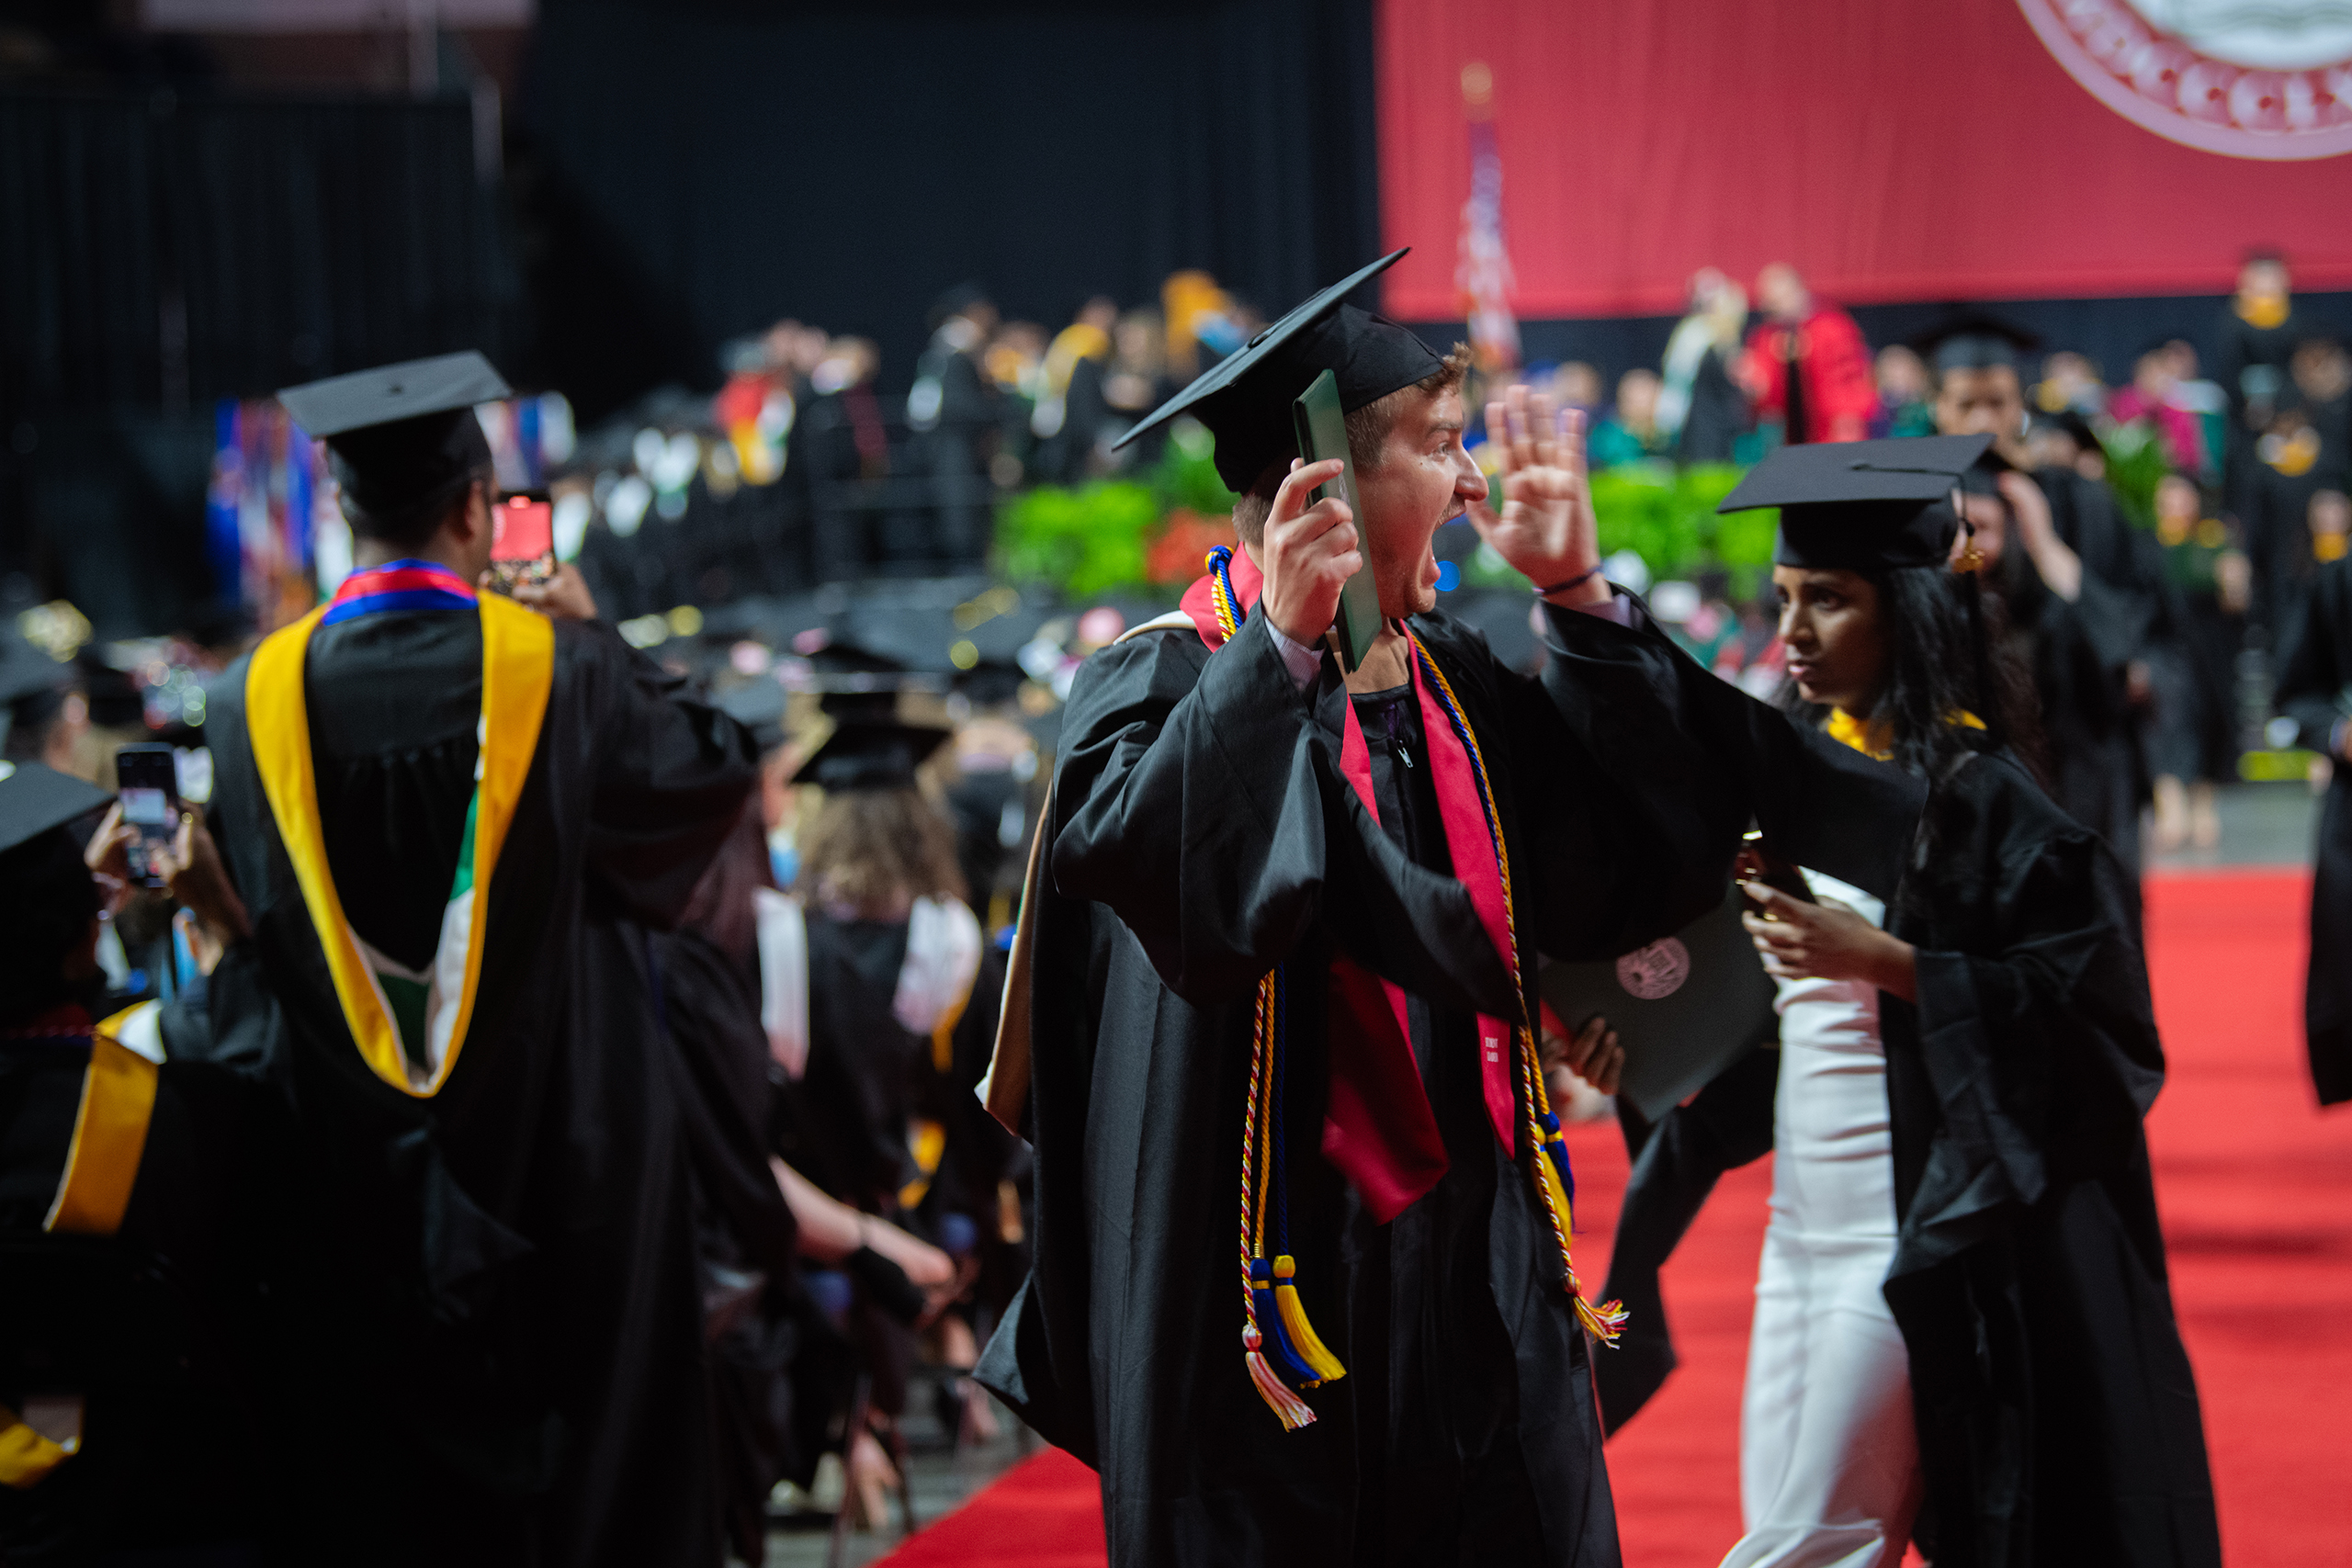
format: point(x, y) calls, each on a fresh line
point(1806, 364)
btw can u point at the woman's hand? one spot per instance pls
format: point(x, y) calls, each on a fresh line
point(1545, 527)
point(1828, 941)
point(1593, 1055)
point(1308, 552)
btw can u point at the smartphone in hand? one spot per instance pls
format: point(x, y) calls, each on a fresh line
point(147, 777)
point(1323, 434)
point(522, 548)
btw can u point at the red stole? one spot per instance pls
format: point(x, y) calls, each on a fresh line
point(1378, 1128)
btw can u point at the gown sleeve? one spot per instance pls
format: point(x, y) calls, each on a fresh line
point(2034, 1032)
point(1200, 798)
point(672, 775)
point(1694, 759)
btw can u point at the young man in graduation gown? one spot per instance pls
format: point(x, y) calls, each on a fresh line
point(450, 817)
point(2055, 1412)
point(2086, 593)
point(2314, 676)
point(1284, 926)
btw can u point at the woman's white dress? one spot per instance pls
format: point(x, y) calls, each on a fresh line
point(1828, 1460)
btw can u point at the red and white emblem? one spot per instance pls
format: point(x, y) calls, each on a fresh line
point(2246, 78)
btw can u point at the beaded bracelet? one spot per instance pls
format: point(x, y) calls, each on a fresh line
point(1578, 580)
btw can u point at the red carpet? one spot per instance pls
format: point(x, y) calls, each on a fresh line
point(2255, 1186)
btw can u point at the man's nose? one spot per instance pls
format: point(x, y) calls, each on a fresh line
point(1469, 483)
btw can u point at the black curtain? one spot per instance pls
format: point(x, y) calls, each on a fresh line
point(693, 171)
point(161, 250)
point(158, 251)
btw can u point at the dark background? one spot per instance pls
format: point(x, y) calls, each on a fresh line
point(698, 170)
point(601, 201)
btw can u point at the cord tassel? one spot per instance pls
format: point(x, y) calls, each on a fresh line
point(1292, 1409)
point(1301, 1334)
point(1281, 1353)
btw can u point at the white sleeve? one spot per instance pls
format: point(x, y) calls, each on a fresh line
point(784, 979)
point(1617, 607)
point(1300, 659)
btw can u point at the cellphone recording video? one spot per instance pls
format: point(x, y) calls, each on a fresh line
point(148, 785)
point(522, 546)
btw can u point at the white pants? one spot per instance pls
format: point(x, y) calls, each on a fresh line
point(1828, 1458)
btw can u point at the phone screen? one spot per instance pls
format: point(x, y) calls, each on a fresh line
point(525, 531)
point(522, 541)
point(149, 780)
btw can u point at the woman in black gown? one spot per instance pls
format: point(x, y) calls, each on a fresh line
point(2056, 1417)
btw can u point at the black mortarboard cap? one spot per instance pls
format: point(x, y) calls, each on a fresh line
point(1975, 339)
point(28, 677)
point(34, 798)
point(854, 682)
point(1245, 399)
point(2075, 427)
point(403, 437)
point(758, 705)
point(950, 304)
point(1864, 505)
point(991, 681)
point(866, 753)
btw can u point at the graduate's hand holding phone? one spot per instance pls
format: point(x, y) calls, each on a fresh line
point(564, 595)
point(1307, 553)
point(189, 866)
point(1546, 526)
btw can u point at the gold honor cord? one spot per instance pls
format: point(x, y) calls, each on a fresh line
point(517, 671)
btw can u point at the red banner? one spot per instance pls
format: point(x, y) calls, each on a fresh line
point(1893, 150)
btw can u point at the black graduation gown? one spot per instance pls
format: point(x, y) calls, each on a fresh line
point(2080, 654)
point(1203, 833)
point(510, 1367)
point(159, 1326)
point(843, 1127)
point(2315, 691)
point(779, 1372)
point(2058, 1419)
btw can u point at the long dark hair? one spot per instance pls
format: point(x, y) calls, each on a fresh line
point(1939, 664)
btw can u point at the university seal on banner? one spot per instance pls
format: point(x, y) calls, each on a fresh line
point(1655, 971)
point(2244, 78)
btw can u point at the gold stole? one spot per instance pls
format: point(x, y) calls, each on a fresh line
point(517, 671)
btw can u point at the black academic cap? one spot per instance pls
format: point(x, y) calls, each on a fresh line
point(865, 753)
point(2075, 427)
point(991, 681)
point(28, 676)
point(1975, 339)
point(854, 681)
point(403, 437)
point(1864, 505)
point(34, 798)
point(758, 705)
point(1245, 399)
point(953, 302)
